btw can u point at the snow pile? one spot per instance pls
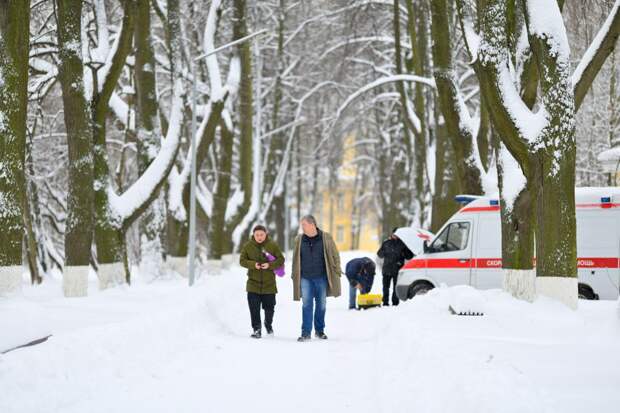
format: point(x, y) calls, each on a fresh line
point(466, 300)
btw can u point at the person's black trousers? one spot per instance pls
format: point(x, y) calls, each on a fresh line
point(268, 302)
point(387, 280)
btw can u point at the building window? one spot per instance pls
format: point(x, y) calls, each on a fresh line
point(340, 233)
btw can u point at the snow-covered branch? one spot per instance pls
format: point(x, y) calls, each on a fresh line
point(596, 54)
point(134, 200)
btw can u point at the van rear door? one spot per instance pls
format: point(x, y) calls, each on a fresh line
point(597, 251)
point(487, 271)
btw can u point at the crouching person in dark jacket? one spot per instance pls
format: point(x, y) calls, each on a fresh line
point(261, 285)
point(361, 274)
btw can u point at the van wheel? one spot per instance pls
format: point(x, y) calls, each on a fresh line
point(585, 292)
point(420, 288)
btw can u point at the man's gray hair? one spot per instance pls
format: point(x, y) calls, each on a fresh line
point(310, 219)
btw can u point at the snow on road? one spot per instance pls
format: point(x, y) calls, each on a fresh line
point(162, 347)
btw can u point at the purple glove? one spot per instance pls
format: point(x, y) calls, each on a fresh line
point(278, 271)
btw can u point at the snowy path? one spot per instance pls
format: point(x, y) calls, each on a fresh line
point(163, 347)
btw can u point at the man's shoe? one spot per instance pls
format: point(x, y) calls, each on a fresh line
point(303, 338)
point(269, 331)
point(256, 334)
point(321, 335)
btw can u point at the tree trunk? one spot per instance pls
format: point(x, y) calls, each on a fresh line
point(32, 252)
point(548, 163)
point(277, 145)
point(446, 184)
point(462, 142)
point(109, 228)
point(246, 113)
point(77, 115)
point(554, 177)
point(418, 28)
point(14, 46)
point(409, 129)
point(217, 246)
point(152, 223)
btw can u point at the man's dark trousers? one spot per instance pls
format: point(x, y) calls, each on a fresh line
point(388, 279)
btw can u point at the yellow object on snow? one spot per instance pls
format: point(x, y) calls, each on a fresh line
point(369, 300)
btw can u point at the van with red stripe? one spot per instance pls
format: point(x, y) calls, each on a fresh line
point(467, 249)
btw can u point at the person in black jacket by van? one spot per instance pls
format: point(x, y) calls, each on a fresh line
point(394, 253)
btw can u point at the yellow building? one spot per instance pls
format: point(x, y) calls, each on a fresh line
point(354, 227)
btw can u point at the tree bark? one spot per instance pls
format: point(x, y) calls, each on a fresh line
point(217, 246)
point(462, 141)
point(418, 34)
point(109, 232)
point(152, 223)
point(277, 144)
point(77, 115)
point(14, 47)
point(246, 114)
point(548, 163)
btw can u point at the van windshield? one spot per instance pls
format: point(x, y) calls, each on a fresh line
point(453, 238)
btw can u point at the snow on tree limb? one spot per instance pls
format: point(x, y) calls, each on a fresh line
point(121, 111)
point(596, 54)
point(528, 123)
point(493, 66)
point(347, 42)
point(178, 180)
point(102, 51)
point(544, 20)
point(130, 204)
point(382, 81)
point(355, 4)
point(213, 67)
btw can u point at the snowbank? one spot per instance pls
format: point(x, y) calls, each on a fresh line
point(163, 346)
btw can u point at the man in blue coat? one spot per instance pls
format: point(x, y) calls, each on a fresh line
point(361, 274)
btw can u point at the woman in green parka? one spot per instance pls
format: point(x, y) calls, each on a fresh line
point(261, 285)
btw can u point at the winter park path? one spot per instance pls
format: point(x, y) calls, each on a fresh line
point(162, 347)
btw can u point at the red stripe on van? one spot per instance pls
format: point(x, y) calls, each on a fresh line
point(438, 263)
point(493, 208)
point(488, 263)
point(596, 262)
point(414, 264)
point(601, 205)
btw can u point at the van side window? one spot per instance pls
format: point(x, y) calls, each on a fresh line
point(453, 238)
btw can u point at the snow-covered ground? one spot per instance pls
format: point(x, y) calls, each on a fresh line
point(164, 347)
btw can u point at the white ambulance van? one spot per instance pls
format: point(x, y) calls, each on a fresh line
point(467, 249)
